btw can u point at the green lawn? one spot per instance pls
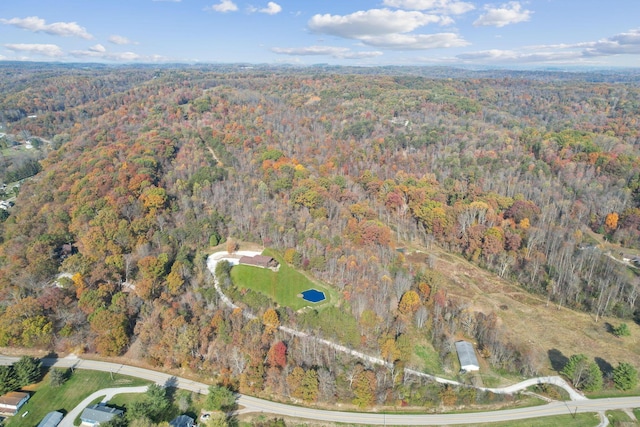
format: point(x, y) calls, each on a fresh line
point(580, 420)
point(429, 358)
point(193, 403)
point(45, 398)
point(619, 417)
point(283, 286)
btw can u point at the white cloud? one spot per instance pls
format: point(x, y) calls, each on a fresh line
point(510, 56)
point(508, 13)
point(98, 48)
point(437, 6)
point(38, 49)
point(374, 22)
point(387, 29)
point(99, 52)
point(271, 9)
point(35, 24)
point(627, 43)
point(120, 40)
point(416, 41)
point(224, 6)
point(310, 50)
point(620, 44)
point(336, 52)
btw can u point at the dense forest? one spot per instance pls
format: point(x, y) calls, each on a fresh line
point(343, 173)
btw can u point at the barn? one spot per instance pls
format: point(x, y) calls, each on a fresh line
point(467, 356)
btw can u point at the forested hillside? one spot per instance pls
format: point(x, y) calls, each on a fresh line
point(344, 175)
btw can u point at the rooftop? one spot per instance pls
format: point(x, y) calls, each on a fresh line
point(13, 398)
point(100, 412)
point(467, 355)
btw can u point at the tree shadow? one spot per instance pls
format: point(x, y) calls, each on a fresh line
point(557, 359)
point(171, 385)
point(608, 327)
point(605, 367)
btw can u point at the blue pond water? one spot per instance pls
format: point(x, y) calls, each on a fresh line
point(313, 295)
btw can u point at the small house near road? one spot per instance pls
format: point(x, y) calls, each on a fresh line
point(11, 402)
point(182, 421)
point(98, 413)
point(467, 356)
point(52, 419)
point(259, 261)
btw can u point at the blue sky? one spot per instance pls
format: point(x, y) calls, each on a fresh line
point(522, 34)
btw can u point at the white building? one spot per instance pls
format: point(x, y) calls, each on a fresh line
point(11, 402)
point(467, 356)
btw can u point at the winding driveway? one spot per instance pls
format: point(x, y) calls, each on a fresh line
point(213, 259)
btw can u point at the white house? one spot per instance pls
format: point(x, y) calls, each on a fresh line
point(98, 413)
point(11, 402)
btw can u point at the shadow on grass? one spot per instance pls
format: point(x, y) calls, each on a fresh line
point(605, 367)
point(608, 327)
point(557, 359)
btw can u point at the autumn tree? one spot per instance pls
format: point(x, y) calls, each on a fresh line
point(277, 355)
point(111, 330)
point(409, 302)
point(294, 380)
point(611, 221)
point(308, 390)
point(364, 388)
point(270, 321)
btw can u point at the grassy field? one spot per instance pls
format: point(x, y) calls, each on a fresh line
point(617, 418)
point(548, 331)
point(429, 358)
point(282, 286)
point(45, 398)
point(580, 420)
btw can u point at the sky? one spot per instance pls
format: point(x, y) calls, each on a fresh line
point(510, 34)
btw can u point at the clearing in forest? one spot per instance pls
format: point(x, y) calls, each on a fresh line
point(284, 286)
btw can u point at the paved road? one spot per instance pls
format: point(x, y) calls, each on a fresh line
point(253, 404)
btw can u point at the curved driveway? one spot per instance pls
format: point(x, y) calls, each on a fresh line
point(214, 258)
point(108, 394)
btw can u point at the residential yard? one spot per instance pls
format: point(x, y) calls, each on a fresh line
point(283, 286)
point(64, 398)
point(184, 402)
